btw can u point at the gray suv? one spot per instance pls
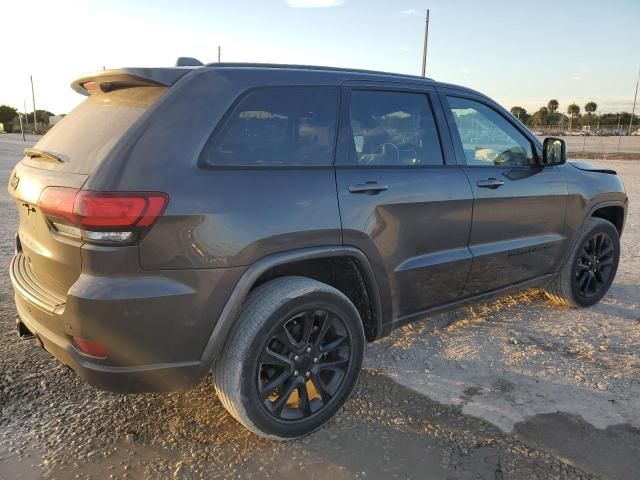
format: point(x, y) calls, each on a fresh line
point(263, 222)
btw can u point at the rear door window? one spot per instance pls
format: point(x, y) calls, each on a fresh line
point(84, 137)
point(277, 126)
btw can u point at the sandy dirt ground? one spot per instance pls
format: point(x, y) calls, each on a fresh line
point(516, 388)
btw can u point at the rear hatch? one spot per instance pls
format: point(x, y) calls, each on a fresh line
point(48, 257)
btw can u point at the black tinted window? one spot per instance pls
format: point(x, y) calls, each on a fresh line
point(393, 128)
point(85, 136)
point(278, 126)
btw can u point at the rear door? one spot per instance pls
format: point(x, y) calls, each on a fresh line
point(518, 211)
point(403, 201)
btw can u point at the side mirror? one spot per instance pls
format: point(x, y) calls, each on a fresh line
point(554, 152)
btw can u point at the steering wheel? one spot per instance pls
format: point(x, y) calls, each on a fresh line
point(510, 157)
point(408, 153)
point(386, 151)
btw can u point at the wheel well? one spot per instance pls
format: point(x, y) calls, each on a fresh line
point(613, 214)
point(342, 273)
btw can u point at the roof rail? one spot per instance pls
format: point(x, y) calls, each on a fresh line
point(188, 62)
point(313, 67)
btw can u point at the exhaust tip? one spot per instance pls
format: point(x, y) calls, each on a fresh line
point(23, 331)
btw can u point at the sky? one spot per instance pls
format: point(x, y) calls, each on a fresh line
point(517, 52)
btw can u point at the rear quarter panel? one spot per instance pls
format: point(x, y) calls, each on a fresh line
point(219, 217)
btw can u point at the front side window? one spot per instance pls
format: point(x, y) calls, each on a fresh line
point(278, 126)
point(489, 139)
point(393, 128)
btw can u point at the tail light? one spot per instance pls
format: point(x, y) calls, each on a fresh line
point(90, 347)
point(102, 217)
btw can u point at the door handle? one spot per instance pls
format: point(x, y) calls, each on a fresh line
point(370, 188)
point(490, 183)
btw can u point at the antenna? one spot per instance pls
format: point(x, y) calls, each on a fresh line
point(188, 62)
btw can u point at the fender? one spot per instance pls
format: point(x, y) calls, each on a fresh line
point(610, 203)
point(597, 206)
point(234, 303)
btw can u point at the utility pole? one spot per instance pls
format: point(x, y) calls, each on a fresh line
point(619, 132)
point(33, 98)
point(219, 48)
point(26, 118)
point(424, 48)
point(635, 97)
point(21, 127)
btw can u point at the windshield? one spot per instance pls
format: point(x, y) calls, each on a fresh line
point(85, 136)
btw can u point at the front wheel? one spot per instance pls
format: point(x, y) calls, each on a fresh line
point(293, 358)
point(591, 267)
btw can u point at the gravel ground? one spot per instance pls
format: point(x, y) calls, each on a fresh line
point(517, 388)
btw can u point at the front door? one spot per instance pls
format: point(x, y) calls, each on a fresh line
point(517, 232)
point(400, 201)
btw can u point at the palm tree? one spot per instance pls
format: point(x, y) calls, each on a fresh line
point(573, 110)
point(590, 107)
point(552, 106)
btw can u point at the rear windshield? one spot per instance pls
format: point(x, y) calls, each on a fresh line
point(85, 136)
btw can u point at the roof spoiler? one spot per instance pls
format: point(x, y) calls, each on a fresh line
point(109, 80)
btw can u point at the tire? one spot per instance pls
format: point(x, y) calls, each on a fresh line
point(568, 287)
point(301, 330)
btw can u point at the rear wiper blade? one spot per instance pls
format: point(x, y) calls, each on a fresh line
point(36, 152)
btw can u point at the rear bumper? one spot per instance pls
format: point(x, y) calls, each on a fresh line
point(152, 326)
point(136, 379)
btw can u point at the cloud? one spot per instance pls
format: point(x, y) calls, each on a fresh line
point(577, 78)
point(407, 12)
point(314, 3)
point(465, 70)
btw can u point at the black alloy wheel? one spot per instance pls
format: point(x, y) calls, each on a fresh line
point(594, 265)
point(303, 364)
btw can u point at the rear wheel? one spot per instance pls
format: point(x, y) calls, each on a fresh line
point(590, 268)
point(293, 358)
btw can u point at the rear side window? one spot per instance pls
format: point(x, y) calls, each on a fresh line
point(393, 128)
point(276, 126)
point(84, 137)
